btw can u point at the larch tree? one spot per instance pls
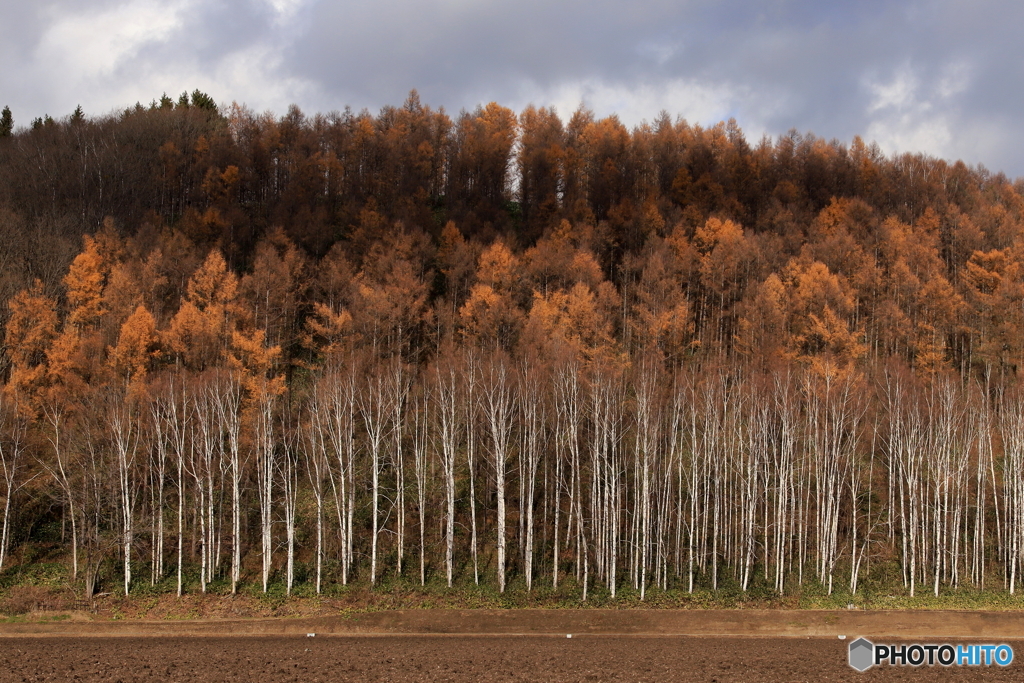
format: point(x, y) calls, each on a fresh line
point(28, 335)
point(200, 332)
point(137, 347)
point(490, 316)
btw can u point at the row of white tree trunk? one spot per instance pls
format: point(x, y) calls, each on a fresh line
point(613, 476)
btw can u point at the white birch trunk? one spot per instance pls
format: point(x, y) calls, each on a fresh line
point(374, 409)
point(265, 475)
point(421, 439)
point(12, 431)
point(123, 425)
point(227, 400)
point(499, 405)
point(447, 422)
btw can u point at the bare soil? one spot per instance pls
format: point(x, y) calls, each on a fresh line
point(496, 645)
point(898, 624)
point(273, 659)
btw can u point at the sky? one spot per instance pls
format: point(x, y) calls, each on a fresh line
point(941, 77)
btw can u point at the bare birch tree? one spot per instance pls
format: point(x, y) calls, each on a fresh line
point(313, 445)
point(374, 408)
point(13, 429)
point(398, 392)
point(420, 452)
point(336, 398)
point(289, 466)
point(532, 395)
point(447, 415)
point(123, 422)
point(498, 410)
point(226, 396)
point(266, 470)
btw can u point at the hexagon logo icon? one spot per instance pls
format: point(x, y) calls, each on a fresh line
point(862, 654)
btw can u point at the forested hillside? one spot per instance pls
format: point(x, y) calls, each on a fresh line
point(504, 347)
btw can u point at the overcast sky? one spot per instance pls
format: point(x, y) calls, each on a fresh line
point(943, 77)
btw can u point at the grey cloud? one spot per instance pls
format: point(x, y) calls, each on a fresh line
point(775, 64)
point(445, 52)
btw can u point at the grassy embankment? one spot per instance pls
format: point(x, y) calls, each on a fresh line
point(39, 587)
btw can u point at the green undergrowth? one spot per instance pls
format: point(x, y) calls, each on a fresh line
point(45, 585)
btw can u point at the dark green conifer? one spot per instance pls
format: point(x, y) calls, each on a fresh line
point(6, 123)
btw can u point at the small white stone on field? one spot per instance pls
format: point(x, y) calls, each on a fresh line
point(310, 635)
point(842, 637)
point(568, 635)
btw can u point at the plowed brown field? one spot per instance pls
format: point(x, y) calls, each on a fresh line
point(521, 645)
point(274, 659)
